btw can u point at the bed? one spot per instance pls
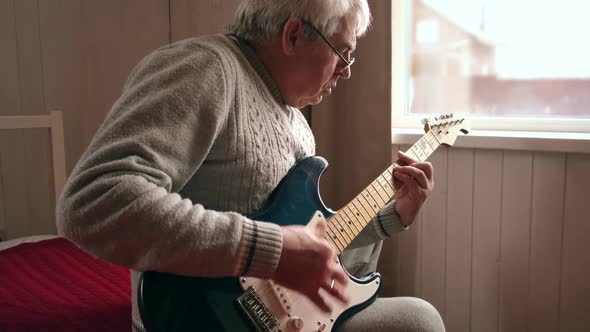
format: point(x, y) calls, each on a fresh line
point(47, 283)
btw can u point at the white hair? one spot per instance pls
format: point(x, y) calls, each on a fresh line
point(260, 20)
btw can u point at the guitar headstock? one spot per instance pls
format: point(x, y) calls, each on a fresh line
point(446, 128)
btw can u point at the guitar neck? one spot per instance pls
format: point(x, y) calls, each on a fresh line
point(349, 221)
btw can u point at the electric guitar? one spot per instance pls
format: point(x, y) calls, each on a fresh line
point(170, 302)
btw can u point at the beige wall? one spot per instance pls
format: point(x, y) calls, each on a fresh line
point(74, 56)
point(69, 55)
point(353, 125)
point(500, 246)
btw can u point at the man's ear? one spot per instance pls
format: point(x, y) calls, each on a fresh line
point(292, 32)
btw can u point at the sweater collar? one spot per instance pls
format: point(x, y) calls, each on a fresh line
point(248, 51)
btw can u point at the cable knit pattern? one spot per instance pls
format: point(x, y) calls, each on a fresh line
point(180, 159)
point(198, 140)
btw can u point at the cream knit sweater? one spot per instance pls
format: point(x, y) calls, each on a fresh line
point(198, 139)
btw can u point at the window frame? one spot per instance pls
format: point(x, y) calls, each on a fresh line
point(559, 134)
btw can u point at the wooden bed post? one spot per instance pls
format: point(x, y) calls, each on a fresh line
point(54, 122)
point(57, 152)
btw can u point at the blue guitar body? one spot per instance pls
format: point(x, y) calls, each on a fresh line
point(177, 303)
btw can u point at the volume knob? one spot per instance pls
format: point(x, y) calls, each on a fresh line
point(296, 323)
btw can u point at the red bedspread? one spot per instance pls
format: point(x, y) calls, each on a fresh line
point(52, 285)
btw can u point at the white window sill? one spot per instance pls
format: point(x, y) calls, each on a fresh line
point(506, 140)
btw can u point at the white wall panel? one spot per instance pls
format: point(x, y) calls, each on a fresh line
point(575, 269)
point(459, 239)
point(487, 200)
point(68, 55)
point(546, 241)
point(433, 223)
point(501, 245)
point(515, 239)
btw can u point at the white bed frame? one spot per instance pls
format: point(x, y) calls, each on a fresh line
point(54, 122)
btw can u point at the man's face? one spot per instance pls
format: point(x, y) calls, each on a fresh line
point(320, 67)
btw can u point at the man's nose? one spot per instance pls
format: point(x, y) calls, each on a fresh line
point(345, 74)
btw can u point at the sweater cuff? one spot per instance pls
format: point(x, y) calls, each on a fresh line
point(260, 249)
point(387, 222)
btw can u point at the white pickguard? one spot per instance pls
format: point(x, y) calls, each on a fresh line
point(295, 312)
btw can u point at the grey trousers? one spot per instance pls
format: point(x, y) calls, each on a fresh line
point(388, 313)
point(395, 314)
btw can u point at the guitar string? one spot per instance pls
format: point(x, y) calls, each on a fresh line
point(418, 151)
point(293, 297)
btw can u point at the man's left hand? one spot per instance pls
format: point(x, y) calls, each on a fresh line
point(415, 185)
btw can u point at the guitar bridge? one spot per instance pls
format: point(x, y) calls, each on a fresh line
point(257, 311)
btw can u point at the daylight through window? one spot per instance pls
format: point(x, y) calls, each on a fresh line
point(499, 58)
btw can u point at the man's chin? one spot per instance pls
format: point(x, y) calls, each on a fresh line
point(310, 101)
point(316, 100)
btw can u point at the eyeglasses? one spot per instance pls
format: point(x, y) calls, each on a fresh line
point(347, 63)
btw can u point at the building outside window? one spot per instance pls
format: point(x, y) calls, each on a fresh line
point(507, 64)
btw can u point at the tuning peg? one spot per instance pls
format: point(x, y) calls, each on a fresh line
point(425, 121)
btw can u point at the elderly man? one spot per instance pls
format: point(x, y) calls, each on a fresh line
point(202, 134)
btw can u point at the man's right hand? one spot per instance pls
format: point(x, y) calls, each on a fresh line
point(308, 263)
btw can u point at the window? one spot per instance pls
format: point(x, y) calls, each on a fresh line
point(506, 64)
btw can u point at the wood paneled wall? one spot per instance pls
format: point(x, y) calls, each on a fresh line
point(502, 244)
point(74, 56)
point(192, 18)
point(68, 55)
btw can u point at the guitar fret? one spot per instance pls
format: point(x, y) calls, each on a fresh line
point(340, 230)
point(339, 218)
point(348, 238)
point(435, 137)
point(426, 144)
point(419, 153)
point(381, 191)
point(421, 143)
point(348, 224)
point(329, 239)
point(269, 306)
point(432, 141)
point(384, 189)
point(364, 211)
point(330, 232)
point(334, 244)
point(387, 180)
point(337, 236)
point(428, 139)
point(412, 153)
point(356, 214)
point(425, 147)
point(370, 205)
point(375, 195)
point(348, 220)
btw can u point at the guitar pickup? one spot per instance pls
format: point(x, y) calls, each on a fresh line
point(257, 311)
